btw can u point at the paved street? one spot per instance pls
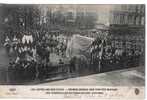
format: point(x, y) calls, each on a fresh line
point(126, 77)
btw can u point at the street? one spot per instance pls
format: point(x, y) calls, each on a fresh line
point(125, 77)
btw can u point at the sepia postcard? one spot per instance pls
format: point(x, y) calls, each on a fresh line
point(72, 51)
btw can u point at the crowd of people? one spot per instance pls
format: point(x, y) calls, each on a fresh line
point(31, 52)
point(109, 54)
point(31, 49)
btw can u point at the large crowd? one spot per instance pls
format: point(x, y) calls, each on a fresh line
point(107, 55)
point(31, 53)
point(33, 45)
point(34, 49)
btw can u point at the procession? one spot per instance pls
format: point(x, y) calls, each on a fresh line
point(43, 44)
point(31, 55)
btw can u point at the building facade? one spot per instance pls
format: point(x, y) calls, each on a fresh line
point(128, 14)
point(127, 27)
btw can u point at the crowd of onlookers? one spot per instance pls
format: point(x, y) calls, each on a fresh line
point(36, 44)
point(32, 51)
point(26, 50)
point(113, 53)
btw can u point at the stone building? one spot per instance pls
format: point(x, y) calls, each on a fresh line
point(127, 27)
point(128, 15)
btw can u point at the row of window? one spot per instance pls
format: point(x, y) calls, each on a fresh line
point(128, 19)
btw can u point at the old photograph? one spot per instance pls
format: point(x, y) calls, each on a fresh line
point(72, 44)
